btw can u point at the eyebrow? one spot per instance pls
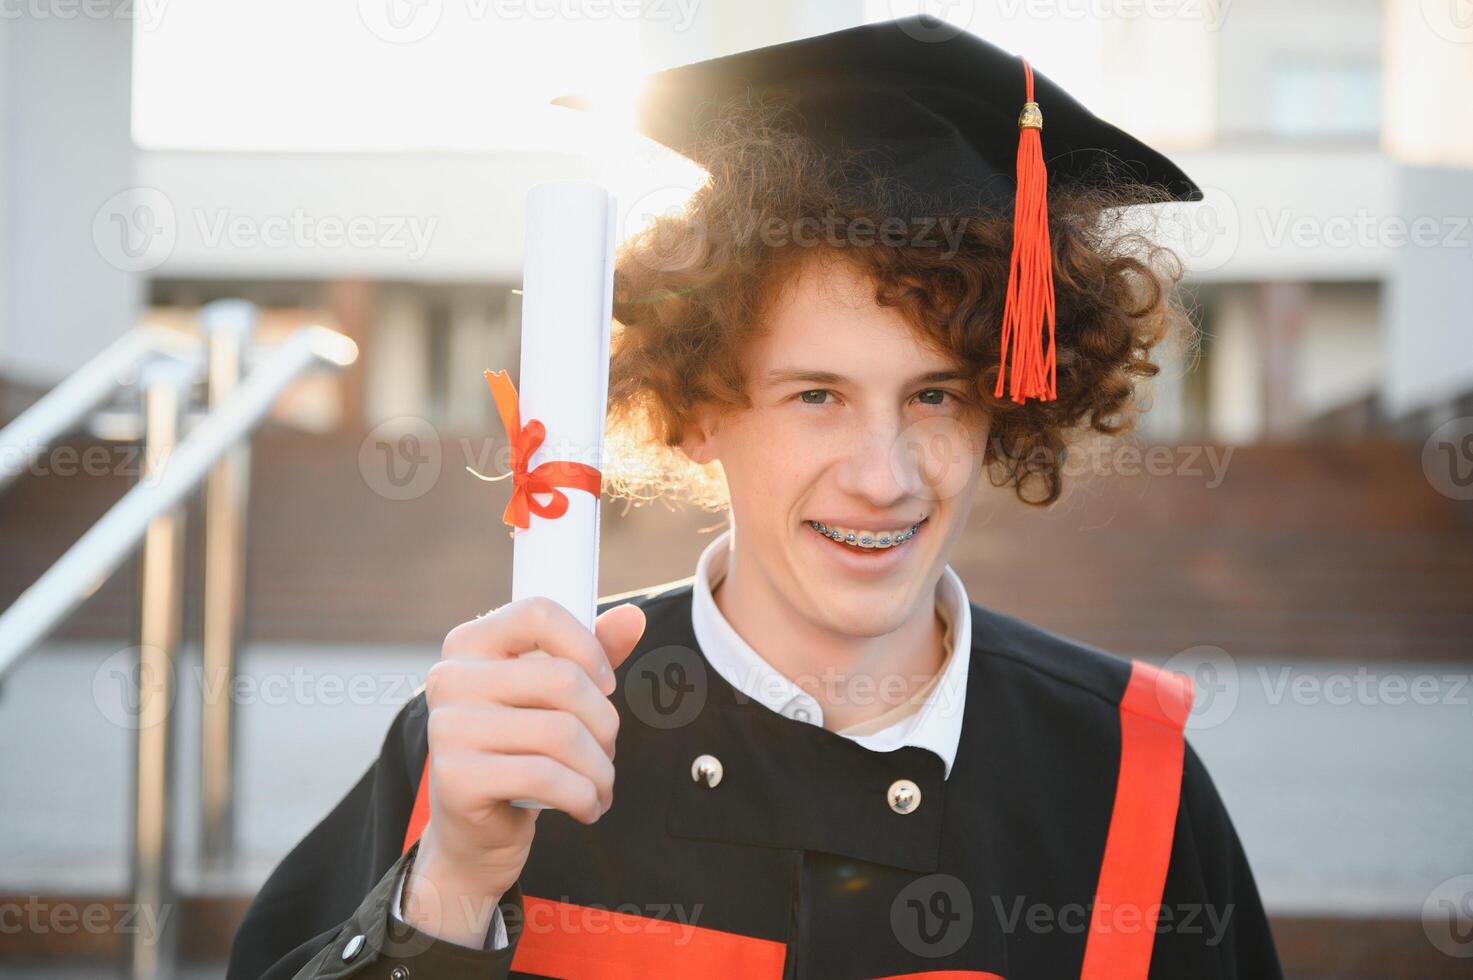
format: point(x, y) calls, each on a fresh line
point(779, 376)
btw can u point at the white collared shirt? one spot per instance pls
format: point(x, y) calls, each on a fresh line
point(935, 725)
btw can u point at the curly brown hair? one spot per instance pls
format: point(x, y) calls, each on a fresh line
point(691, 291)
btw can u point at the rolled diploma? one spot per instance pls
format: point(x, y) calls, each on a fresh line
point(567, 309)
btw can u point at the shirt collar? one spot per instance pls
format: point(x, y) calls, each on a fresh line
point(936, 726)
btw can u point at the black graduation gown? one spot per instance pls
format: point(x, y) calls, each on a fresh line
point(796, 865)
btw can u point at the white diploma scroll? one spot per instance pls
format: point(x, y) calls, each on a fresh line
point(567, 310)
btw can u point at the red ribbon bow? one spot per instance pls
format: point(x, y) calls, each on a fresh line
point(547, 477)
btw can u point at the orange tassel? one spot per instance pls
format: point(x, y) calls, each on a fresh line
point(1030, 298)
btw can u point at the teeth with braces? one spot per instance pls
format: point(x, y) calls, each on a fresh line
point(866, 539)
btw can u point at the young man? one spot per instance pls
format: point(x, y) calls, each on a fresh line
point(830, 761)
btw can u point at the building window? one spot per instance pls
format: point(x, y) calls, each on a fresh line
point(1312, 99)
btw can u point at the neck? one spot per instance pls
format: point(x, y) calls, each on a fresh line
point(853, 678)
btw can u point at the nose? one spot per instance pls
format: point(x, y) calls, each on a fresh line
point(877, 470)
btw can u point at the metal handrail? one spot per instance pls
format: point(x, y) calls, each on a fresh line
point(151, 515)
point(229, 326)
point(103, 547)
point(63, 407)
point(166, 390)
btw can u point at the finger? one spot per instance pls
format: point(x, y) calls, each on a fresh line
point(530, 731)
point(477, 778)
point(619, 630)
point(542, 682)
point(535, 623)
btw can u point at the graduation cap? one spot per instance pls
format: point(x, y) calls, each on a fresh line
point(942, 115)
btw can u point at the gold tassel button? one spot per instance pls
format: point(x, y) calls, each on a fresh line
point(1031, 117)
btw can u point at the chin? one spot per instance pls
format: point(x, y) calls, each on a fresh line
point(858, 614)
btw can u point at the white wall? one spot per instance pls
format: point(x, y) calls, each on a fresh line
point(1429, 307)
point(1258, 37)
point(720, 27)
point(1288, 214)
point(426, 216)
point(1429, 74)
point(7, 329)
point(64, 89)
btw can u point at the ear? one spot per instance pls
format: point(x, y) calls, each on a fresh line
point(698, 443)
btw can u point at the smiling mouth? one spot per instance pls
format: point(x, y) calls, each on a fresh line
point(868, 542)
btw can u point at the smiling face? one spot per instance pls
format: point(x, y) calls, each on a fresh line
point(855, 424)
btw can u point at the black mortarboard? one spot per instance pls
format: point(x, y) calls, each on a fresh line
point(948, 116)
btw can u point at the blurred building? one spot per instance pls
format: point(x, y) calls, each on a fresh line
point(1329, 265)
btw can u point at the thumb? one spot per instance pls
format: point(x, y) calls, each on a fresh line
point(619, 630)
